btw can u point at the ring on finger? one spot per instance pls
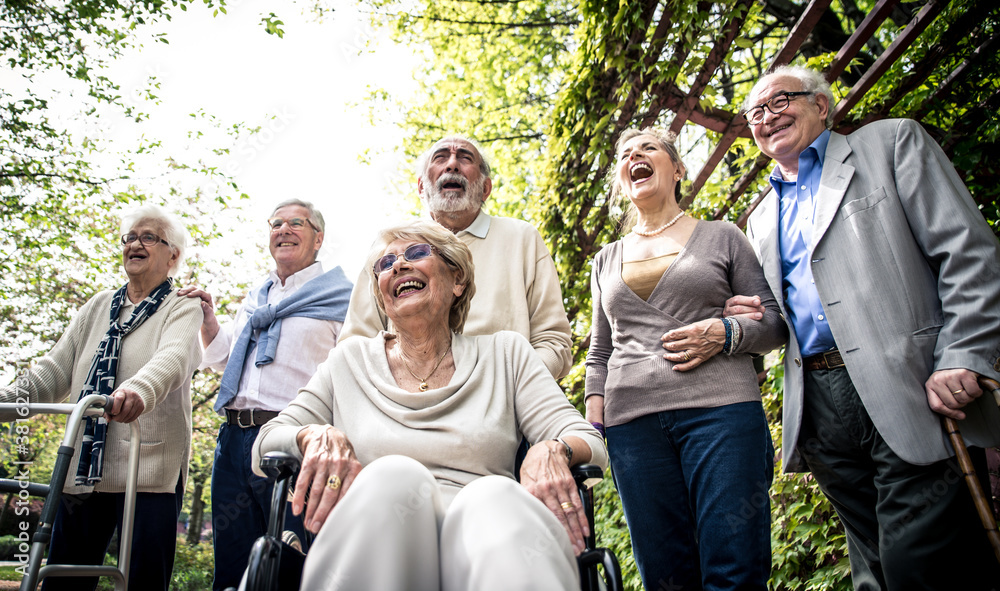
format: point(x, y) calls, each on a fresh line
point(567, 506)
point(333, 482)
point(687, 356)
point(958, 391)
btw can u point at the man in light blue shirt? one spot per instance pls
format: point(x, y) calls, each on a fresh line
point(890, 280)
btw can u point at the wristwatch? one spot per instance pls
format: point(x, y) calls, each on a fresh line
point(568, 448)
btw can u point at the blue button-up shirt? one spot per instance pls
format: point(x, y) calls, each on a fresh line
point(798, 208)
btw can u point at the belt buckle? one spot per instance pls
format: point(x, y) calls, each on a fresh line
point(833, 359)
point(239, 419)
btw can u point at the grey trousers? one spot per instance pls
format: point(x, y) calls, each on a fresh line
point(395, 530)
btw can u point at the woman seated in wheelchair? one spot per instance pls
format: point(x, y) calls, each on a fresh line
point(139, 345)
point(408, 441)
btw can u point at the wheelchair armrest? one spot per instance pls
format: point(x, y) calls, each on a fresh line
point(587, 475)
point(279, 465)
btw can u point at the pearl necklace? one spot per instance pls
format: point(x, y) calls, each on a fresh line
point(423, 381)
point(660, 229)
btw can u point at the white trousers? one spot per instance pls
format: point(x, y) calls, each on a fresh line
point(392, 531)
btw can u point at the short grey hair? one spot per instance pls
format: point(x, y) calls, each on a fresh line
point(314, 214)
point(812, 81)
point(453, 252)
point(169, 226)
point(424, 160)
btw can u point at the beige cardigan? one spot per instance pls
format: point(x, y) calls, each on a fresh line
point(157, 360)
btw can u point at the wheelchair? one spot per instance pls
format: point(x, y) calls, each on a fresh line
point(34, 572)
point(266, 569)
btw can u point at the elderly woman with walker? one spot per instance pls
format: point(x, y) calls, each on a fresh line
point(139, 346)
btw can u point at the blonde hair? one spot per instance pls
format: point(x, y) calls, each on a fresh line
point(618, 197)
point(452, 251)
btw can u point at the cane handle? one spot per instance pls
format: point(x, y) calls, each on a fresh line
point(991, 385)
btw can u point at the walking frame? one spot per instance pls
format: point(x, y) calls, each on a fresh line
point(983, 505)
point(34, 572)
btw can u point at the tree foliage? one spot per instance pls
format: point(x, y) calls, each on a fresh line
point(64, 183)
point(549, 87)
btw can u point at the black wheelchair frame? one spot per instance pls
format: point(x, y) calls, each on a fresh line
point(266, 555)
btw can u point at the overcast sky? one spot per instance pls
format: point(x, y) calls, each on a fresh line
point(306, 90)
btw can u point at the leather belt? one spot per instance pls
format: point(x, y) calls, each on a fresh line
point(824, 360)
point(249, 417)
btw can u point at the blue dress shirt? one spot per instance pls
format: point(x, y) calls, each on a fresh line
point(798, 207)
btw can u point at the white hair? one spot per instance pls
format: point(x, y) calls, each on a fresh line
point(812, 81)
point(173, 231)
point(314, 214)
point(424, 160)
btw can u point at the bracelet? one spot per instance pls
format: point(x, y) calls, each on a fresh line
point(737, 336)
point(600, 429)
point(568, 449)
point(727, 347)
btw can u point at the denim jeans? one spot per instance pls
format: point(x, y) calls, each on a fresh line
point(694, 486)
point(241, 505)
point(84, 525)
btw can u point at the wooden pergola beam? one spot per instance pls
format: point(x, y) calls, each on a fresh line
point(925, 67)
point(718, 53)
point(988, 47)
point(900, 44)
point(860, 36)
point(737, 124)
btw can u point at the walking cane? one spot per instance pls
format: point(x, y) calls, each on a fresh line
point(965, 462)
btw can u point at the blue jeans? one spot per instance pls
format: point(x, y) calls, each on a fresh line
point(84, 524)
point(694, 486)
point(241, 505)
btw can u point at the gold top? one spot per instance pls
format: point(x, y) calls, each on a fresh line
point(643, 276)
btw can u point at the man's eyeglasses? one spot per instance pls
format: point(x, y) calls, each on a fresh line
point(777, 104)
point(412, 254)
point(145, 239)
point(295, 223)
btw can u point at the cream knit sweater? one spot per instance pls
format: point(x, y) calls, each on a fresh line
point(157, 360)
point(470, 428)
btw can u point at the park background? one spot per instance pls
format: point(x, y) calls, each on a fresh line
point(219, 109)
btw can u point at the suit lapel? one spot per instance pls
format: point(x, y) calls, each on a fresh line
point(767, 214)
point(832, 185)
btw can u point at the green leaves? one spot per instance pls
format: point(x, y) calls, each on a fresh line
point(273, 25)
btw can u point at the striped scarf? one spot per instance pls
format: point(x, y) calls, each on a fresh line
point(103, 374)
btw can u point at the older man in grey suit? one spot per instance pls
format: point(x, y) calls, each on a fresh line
point(891, 286)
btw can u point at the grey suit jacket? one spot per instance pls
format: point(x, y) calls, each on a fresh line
point(909, 275)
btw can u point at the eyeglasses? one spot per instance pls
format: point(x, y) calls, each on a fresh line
point(412, 254)
point(145, 239)
point(295, 223)
point(777, 104)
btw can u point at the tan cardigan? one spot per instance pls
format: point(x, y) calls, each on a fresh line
point(157, 360)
